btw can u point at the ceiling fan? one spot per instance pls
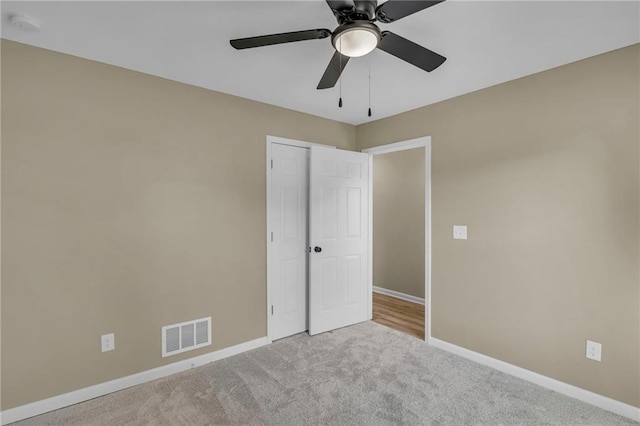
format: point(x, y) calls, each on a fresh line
point(357, 35)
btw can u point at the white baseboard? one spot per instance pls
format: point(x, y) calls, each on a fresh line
point(39, 407)
point(398, 295)
point(584, 395)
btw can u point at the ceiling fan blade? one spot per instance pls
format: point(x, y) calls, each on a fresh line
point(392, 10)
point(410, 52)
point(333, 71)
point(267, 40)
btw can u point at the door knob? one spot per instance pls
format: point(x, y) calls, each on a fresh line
point(317, 249)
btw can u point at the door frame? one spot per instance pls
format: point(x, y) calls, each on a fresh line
point(282, 141)
point(420, 142)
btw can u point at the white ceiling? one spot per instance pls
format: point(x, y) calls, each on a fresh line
point(486, 43)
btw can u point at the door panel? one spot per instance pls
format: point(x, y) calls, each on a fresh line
point(353, 279)
point(291, 204)
point(329, 279)
point(339, 226)
point(290, 286)
point(354, 219)
point(289, 224)
point(329, 208)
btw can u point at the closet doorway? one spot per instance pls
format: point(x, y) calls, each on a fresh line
point(318, 227)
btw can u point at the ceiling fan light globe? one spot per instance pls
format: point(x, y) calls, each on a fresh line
point(356, 41)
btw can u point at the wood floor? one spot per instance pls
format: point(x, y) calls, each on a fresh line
point(399, 314)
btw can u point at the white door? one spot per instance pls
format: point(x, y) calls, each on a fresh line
point(289, 247)
point(338, 227)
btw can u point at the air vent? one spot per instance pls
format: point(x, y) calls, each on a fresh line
point(186, 336)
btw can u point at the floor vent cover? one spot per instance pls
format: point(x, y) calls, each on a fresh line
point(186, 336)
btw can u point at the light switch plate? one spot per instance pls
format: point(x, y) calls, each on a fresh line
point(459, 232)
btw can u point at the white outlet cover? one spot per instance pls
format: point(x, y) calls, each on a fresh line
point(594, 350)
point(108, 342)
point(459, 232)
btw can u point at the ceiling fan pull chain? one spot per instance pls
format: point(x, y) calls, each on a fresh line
point(340, 65)
point(369, 111)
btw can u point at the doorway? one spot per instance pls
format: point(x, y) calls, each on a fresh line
point(400, 249)
point(318, 218)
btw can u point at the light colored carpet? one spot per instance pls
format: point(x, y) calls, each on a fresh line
point(364, 374)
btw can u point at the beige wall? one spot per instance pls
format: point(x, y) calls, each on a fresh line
point(544, 171)
point(129, 202)
point(398, 221)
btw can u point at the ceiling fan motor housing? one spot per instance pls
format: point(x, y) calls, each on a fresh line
point(367, 6)
point(356, 10)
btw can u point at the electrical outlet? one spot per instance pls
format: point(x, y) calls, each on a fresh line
point(459, 232)
point(594, 350)
point(108, 342)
